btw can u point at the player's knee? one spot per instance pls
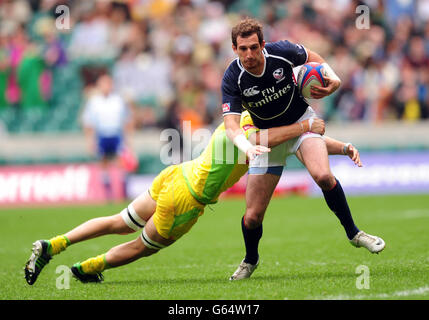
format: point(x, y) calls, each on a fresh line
point(253, 219)
point(132, 220)
point(325, 180)
point(150, 246)
point(141, 250)
point(118, 225)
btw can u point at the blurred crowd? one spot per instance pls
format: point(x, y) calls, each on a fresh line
point(167, 57)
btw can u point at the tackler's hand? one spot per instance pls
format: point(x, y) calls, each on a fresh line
point(256, 150)
point(353, 154)
point(314, 125)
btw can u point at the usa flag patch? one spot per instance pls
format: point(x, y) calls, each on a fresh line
point(226, 107)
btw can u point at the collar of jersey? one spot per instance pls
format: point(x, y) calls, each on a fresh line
point(252, 74)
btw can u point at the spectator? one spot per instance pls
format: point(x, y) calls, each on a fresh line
point(406, 101)
point(416, 54)
point(90, 38)
point(168, 51)
point(4, 69)
point(30, 68)
point(107, 125)
point(53, 49)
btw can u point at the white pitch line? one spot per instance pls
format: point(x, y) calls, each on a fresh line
point(403, 293)
point(409, 214)
point(406, 214)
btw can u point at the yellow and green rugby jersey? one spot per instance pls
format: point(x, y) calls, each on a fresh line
point(219, 166)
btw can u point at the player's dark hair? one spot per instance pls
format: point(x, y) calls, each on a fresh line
point(245, 28)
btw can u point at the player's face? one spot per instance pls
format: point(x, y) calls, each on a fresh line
point(249, 51)
point(105, 84)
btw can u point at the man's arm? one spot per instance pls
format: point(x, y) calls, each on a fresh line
point(87, 121)
point(232, 109)
point(314, 57)
point(232, 125)
point(275, 136)
point(278, 135)
point(338, 147)
point(91, 143)
point(298, 55)
point(129, 121)
point(333, 82)
point(235, 133)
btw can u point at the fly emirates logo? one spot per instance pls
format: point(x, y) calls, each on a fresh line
point(270, 95)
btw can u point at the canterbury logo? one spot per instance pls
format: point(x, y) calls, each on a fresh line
point(251, 91)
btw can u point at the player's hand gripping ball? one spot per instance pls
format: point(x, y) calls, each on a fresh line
point(311, 74)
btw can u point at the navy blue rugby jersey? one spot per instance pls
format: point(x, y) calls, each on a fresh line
point(272, 98)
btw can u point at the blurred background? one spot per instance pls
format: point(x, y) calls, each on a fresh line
point(165, 60)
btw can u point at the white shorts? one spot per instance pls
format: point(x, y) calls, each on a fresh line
point(277, 156)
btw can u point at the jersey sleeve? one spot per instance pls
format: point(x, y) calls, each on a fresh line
point(231, 95)
point(246, 124)
point(296, 54)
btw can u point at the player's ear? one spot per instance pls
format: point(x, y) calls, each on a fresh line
point(234, 48)
point(263, 44)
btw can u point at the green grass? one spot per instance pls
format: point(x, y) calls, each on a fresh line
point(304, 254)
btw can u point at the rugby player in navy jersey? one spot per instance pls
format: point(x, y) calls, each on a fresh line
point(260, 80)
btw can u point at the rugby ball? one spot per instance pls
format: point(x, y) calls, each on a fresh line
point(310, 74)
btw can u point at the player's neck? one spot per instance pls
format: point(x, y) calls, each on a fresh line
point(259, 69)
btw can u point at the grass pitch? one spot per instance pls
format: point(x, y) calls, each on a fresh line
point(304, 254)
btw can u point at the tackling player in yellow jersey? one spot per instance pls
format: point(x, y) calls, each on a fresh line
point(174, 202)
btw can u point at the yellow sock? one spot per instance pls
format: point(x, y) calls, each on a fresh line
point(94, 265)
point(58, 244)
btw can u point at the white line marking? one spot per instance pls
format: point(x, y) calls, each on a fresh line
point(416, 214)
point(403, 293)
